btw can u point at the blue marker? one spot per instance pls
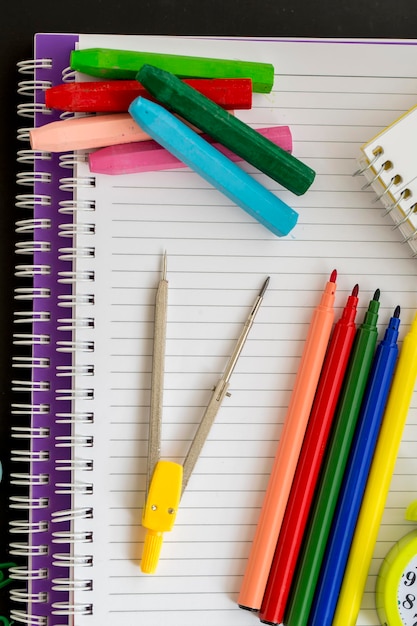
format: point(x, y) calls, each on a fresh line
point(354, 482)
point(213, 166)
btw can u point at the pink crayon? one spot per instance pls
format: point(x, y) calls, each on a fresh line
point(147, 156)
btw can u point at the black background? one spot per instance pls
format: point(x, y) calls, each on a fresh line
point(21, 19)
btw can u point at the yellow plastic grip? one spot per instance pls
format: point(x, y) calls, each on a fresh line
point(160, 510)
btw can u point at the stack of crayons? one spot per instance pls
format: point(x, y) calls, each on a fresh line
point(324, 502)
point(153, 111)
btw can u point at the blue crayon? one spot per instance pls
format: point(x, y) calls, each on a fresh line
point(213, 166)
point(354, 482)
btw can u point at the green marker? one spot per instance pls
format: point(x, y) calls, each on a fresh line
point(227, 129)
point(125, 64)
point(324, 504)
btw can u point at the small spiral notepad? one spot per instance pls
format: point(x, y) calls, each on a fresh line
point(389, 165)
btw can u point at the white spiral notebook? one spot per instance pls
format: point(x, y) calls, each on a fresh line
point(333, 95)
point(389, 165)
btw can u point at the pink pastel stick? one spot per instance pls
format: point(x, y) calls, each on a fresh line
point(89, 132)
point(147, 156)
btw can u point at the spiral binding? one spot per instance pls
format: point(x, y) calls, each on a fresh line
point(386, 192)
point(33, 320)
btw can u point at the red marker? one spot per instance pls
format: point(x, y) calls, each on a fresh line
point(309, 464)
point(114, 96)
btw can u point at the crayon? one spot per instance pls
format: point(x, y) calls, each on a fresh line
point(115, 96)
point(125, 64)
point(146, 156)
point(224, 128)
point(213, 166)
point(88, 132)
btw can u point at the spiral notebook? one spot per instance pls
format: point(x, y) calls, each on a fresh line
point(388, 165)
point(98, 244)
point(44, 279)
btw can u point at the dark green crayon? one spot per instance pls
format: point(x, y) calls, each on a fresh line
point(337, 454)
point(227, 129)
point(125, 64)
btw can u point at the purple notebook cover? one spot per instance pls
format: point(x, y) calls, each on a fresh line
point(57, 48)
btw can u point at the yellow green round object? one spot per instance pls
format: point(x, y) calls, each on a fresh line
point(396, 586)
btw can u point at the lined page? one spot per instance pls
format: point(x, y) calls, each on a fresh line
point(334, 96)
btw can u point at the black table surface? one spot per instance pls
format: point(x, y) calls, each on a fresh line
point(21, 19)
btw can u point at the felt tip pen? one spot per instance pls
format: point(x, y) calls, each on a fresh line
point(115, 96)
point(213, 166)
point(356, 475)
point(149, 156)
point(309, 464)
point(234, 134)
point(125, 64)
point(288, 452)
point(325, 500)
point(378, 484)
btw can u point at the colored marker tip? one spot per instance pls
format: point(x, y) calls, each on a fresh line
point(397, 311)
point(355, 291)
point(376, 294)
point(333, 276)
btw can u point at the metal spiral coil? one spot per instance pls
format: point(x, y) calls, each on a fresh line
point(25, 527)
point(31, 293)
point(50, 456)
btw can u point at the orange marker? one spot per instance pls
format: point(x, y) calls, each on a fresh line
point(285, 464)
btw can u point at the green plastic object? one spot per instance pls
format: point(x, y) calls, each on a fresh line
point(125, 64)
point(227, 129)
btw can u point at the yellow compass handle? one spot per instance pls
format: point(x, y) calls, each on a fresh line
point(160, 510)
point(151, 551)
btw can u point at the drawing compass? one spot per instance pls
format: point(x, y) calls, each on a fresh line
point(167, 480)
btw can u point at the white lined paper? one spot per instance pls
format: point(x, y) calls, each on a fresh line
point(333, 96)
